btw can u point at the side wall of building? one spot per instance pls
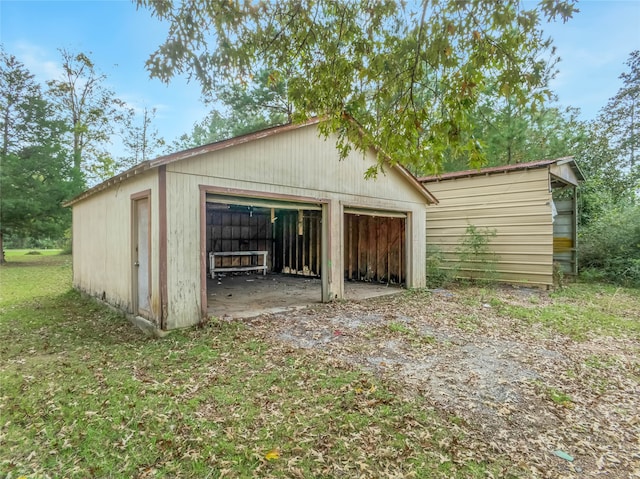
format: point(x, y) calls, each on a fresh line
point(516, 205)
point(102, 243)
point(295, 163)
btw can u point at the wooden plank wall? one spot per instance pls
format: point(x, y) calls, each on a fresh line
point(231, 229)
point(293, 240)
point(374, 249)
point(298, 245)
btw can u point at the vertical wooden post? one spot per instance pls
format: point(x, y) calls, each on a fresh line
point(285, 240)
point(400, 254)
point(304, 243)
point(319, 243)
point(350, 244)
point(296, 238)
point(359, 246)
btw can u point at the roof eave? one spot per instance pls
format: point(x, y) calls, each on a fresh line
point(125, 175)
point(505, 169)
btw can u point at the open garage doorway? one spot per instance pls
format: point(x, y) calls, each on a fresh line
point(375, 249)
point(266, 256)
point(262, 255)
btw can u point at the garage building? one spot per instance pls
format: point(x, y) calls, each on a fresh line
point(151, 240)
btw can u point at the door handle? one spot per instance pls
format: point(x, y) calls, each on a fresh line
point(136, 264)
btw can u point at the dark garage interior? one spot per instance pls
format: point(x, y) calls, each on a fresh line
point(240, 236)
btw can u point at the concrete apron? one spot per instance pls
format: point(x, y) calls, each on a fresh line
point(247, 296)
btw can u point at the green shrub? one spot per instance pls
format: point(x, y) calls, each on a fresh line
point(477, 261)
point(609, 247)
point(438, 275)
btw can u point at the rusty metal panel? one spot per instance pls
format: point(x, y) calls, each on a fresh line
point(564, 236)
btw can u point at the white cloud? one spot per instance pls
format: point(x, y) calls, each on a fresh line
point(38, 61)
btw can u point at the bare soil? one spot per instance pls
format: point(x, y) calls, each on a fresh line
point(516, 387)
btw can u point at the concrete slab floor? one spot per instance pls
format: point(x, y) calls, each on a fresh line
point(246, 296)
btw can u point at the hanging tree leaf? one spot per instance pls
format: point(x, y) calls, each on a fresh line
point(410, 74)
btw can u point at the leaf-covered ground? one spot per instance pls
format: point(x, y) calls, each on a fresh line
point(462, 383)
point(530, 375)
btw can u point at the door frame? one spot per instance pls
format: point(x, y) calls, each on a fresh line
point(384, 211)
point(135, 198)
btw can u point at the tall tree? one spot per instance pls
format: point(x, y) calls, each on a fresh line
point(516, 134)
point(609, 157)
point(17, 90)
point(621, 116)
point(141, 139)
point(261, 103)
point(214, 127)
point(36, 173)
point(90, 109)
point(408, 73)
point(241, 108)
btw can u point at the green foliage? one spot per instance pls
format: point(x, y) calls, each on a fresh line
point(410, 74)
point(438, 275)
point(141, 140)
point(246, 107)
point(582, 311)
point(608, 156)
point(36, 175)
point(90, 111)
point(46, 243)
point(619, 118)
point(477, 260)
point(516, 133)
point(610, 246)
point(558, 275)
point(555, 394)
point(400, 327)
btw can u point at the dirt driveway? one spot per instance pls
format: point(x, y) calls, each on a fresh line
point(559, 407)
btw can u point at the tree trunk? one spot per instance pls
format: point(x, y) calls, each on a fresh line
point(2, 258)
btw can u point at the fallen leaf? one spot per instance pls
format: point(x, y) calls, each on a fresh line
point(272, 455)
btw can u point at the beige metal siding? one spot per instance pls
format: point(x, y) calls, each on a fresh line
point(515, 204)
point(297, 163)
point(102, 255)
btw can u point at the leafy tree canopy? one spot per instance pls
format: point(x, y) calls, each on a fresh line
point(410, 74)
point(620, 118)
point(36, 174)
point(91, 111)
point(241, 108)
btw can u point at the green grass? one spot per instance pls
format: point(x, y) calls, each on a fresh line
point(27, 276)
point(84, 394)
point(583, 310)
point(400, 327)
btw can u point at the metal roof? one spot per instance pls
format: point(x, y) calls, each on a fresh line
point(506, 168)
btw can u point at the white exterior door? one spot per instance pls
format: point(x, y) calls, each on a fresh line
point(141, 272)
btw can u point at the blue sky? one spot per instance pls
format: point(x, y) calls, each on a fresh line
point(593, 47)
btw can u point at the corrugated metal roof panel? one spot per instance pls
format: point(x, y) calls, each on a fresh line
point(500, 169)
